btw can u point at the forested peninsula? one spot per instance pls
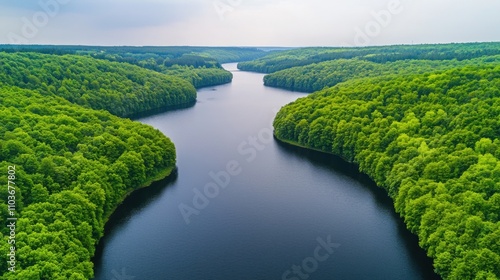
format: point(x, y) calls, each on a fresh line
point(73, 166)
point(201, 66)
point(426, 131)
point(277, 61)
point(119, 88)
point(68, 158)
point(326, 74)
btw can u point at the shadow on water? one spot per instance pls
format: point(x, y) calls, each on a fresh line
point(336, 164)
point(131, 205)
point(165, 109)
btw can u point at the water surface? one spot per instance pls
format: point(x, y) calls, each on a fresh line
point(273, 213)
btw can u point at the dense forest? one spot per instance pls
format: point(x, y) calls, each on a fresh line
point(421, 121)
point(69, 167)
point(198, 65)
point(119, 88)
point(199, 70)
point(432, 141)
point(277, 61)
point(318, 76)
point(67, 157)
point(135, 54)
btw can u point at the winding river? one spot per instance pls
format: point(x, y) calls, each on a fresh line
point(243, 206)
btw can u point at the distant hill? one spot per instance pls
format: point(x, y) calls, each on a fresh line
point(277, 61)
point(119, 88)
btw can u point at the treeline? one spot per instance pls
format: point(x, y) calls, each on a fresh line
point(321, 75)
point(432, 141)
point(277, 61)
point(200, 77)
point(198, 69)
point(281, 60)
point(221, 54)
point(119, 88)
point(192, 60)
point(198, 65)
point(73, 166)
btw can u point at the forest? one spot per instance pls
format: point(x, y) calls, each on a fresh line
point(119, 88)
point(421, 121)
point(431, 140)
point(73, 166)
point(197, 65)
point(277, 61)
point(198, 69)
point(68, 157)
point(317, 76)
point(135, 54)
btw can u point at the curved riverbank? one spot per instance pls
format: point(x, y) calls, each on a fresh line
point(280, 203)
point(430, 142)
point(165, 174)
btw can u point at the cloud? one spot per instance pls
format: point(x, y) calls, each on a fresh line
point(120, 14)
point(253, 22)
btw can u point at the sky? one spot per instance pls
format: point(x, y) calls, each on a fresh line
point(294, 23)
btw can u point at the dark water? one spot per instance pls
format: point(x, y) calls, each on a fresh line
point(270, 207)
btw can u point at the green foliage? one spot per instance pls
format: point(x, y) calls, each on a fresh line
point(432, 141)
point(199, 70)
point(277, 61)
point(135, 54)
point(200, 77)
point(198, 65)
point(74, 165)
point(192, 60)
point(321, 75)
point(119, 88)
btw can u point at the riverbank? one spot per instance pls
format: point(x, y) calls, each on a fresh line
point(165, 174)
point(280, 191)
point(168, 172)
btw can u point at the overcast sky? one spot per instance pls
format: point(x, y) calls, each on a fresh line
point(248, 22)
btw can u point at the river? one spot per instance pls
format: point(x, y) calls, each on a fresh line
point(243, 206)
